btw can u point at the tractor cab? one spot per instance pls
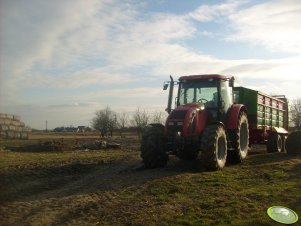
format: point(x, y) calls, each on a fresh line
point(210, 92)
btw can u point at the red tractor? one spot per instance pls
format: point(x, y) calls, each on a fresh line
point(205, 125)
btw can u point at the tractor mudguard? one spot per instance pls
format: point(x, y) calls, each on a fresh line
point(233, 115)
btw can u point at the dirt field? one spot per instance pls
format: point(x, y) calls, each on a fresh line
point(110, 187)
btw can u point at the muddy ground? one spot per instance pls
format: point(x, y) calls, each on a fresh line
point(93, 187)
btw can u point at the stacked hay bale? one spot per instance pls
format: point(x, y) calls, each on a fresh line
point(11, 127)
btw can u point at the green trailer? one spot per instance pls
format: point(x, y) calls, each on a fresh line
point(267, 115)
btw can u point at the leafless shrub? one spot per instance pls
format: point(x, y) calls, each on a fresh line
point(158, 117)
point(295, 113)
point(122, 121)
point(140, 120)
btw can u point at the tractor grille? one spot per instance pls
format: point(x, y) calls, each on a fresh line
point(175, 128)
point(178, 114)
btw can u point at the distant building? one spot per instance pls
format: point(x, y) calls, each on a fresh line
point(83, 129)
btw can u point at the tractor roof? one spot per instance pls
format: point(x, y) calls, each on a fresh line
point(196, 77)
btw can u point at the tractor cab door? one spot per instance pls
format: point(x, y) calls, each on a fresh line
point(226, 98)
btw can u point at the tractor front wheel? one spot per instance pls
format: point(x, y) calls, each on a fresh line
point(293, 143)
point(152, 147)
point(213, 153)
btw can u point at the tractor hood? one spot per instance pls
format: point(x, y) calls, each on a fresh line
point(187, 120)
point(197, 106)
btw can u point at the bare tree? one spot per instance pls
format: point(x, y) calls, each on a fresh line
point(112, 123)
point(140, 120)
point(295, 111)
point(158, 117)
point(104, 121)
point(122, 121)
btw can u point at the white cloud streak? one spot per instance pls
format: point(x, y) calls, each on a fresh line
point(206, 13)
point(274, 25)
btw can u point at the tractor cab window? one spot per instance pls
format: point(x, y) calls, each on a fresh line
point(226, 95)
point(189, 95)
point(203, 91)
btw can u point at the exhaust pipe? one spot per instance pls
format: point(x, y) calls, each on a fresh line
point(170, 95)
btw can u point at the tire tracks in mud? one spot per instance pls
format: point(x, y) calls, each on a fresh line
point(111, 176)
point(88, 189)
point(26, 185)
point(78, 178)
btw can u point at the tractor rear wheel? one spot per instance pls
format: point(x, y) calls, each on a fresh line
point(213, 153)
point(152, 147)
point(240, 139)
point(293, 143)
point(274, 143)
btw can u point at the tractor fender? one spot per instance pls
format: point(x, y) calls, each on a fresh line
point(233, 115)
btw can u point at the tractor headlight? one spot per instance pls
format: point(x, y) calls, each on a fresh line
point(180, 123)
point(171, 123)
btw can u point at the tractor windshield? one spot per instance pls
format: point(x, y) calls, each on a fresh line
point(203, 91)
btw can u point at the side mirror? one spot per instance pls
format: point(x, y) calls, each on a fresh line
point(165, 86)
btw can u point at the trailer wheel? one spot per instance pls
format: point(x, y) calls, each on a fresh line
point(274, 143)
point(152, 147)
point(283, 138)
point(240, 139)
point(213, 153)
point(293, 143)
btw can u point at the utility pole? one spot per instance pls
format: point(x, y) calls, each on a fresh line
point(46, 126)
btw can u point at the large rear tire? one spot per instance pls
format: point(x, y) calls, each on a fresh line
point(240, 139)
point(274, 143)
point(152, 147)
point(293, 143)
point(213, 153)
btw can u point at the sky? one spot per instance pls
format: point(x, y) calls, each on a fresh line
point(63, 60)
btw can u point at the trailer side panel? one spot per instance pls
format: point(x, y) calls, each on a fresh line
point(266, 114)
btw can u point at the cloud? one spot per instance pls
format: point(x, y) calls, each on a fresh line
point(83, 78)
point(274, 25)
point(127, 93)
point(54, 42)
point(207, 13)
point(32, 34)
point(276, 69)
point(63, 45)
